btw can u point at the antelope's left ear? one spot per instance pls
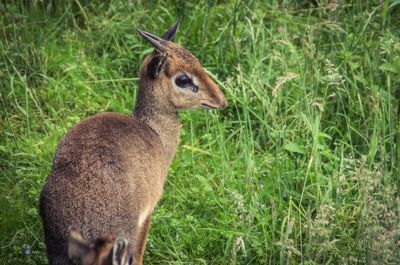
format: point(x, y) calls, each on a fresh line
point(80, 251)
point(157, 64)
point(170, 34)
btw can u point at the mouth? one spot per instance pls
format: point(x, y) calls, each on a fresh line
point(208, 106)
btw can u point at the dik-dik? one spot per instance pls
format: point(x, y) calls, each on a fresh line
point(109, 170)
point(102, 251)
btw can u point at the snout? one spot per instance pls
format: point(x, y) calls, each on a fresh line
point(215, 102)
point(216, 99)
point(219, 98)
point(224, 103)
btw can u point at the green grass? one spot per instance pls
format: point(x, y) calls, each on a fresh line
point(302, 167)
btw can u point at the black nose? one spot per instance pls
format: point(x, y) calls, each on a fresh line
point(224, 104)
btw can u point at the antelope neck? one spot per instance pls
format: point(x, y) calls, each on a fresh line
point(166, 124)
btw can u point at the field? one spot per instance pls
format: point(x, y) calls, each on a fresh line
point(303, 167)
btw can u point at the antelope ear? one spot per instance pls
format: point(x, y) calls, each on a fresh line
point(80, 251)
point(170, 34)
point(120, 255)
point(157, 42)
point(157, 64)
point(75, 235)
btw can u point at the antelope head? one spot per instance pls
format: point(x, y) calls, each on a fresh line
point(175, 77)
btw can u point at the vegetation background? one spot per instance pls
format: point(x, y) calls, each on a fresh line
point(302, 167)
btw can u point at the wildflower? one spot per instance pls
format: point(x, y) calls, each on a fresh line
point(27, 250)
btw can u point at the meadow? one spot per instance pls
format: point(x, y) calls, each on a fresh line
point(301, 168)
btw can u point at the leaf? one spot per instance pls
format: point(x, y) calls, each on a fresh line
point(196, 149)
point(295, 148)
point(324, 135)
point(394, 3)
point(394, 68)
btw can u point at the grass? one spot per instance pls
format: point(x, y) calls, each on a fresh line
point(302, 167)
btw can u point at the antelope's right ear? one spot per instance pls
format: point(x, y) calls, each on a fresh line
point(157, 64)
point(80, 251)
point(157, 42)
point(120, 252)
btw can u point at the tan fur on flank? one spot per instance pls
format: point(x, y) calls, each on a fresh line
point(109, 170)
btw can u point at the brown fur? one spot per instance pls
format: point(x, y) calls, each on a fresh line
point(109, 170)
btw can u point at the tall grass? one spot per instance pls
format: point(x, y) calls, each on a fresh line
point(302, 167)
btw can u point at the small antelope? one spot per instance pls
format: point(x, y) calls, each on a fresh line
point(102, 251)
point(109, 170)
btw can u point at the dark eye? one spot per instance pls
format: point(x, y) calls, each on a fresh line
point(130, 260)
point(183, 81)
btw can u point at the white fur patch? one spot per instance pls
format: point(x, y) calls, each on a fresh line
point(143, 216)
